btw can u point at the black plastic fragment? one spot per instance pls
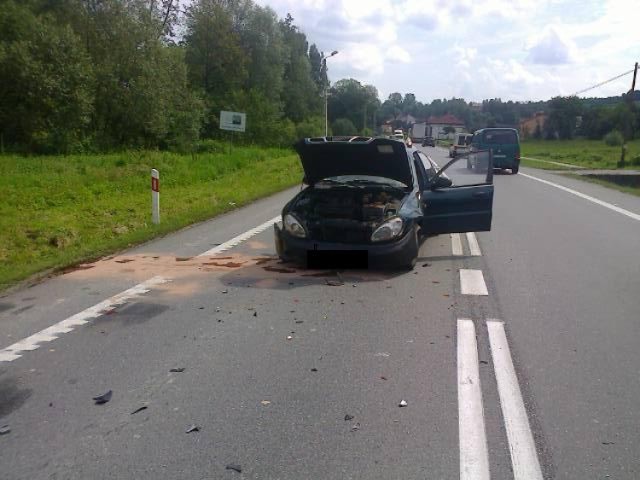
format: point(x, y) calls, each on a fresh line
point(144, 407)
point(235, 467)
point(104, 398)
point(177, 370)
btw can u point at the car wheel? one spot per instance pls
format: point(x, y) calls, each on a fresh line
point(514, 170)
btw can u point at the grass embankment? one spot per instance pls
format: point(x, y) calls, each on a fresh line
point(59, 210)
point(592, 154)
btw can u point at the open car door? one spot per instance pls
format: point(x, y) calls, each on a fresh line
point(459, 197)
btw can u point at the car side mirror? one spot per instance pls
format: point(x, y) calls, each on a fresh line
point(441, 181)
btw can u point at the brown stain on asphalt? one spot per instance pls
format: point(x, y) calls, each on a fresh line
point(190, 275)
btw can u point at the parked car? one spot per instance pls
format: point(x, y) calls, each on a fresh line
point(428, 142)
point(370, 200)
point(399, 134)
point(460, 144)
point(504, 144)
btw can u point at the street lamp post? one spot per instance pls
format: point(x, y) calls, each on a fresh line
point(326, 103)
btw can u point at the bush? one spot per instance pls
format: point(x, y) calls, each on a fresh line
point(613, 138)
point(310, 127)
point(344, 126)
point(635, 161)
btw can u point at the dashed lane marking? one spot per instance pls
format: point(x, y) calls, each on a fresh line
point(521, 445)
point(54, 331)
point(456, 244)
point(610, 206)
point(474, 247)
point(474, 456)
point(240, 238)
point(472, 282)
point(33, 342)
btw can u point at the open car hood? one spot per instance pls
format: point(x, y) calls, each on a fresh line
point(329, 157)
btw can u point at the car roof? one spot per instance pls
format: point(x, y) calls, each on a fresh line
point(497, 128)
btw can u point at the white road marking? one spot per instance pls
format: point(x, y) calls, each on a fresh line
point(474, 455)
point(54, 331)
point(610, 206)
point(474, 247)
point(456, 244)
point(240, 238)
point(521, 445)
point(51, 333)
point(472, 282)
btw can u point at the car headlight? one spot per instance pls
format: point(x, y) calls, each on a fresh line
point(293, 226)
point(388, 230)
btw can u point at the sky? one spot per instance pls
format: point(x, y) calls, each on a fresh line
point(480, 49)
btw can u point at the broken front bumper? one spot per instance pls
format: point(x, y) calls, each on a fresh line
point(390, 254)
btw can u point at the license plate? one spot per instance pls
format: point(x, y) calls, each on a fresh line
point(338, 259)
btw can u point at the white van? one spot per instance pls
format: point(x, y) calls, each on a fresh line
point(461, 144)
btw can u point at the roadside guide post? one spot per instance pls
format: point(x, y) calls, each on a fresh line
point(155, 196)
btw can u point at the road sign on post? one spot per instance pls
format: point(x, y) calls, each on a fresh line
point(234, 121)
point(155, 196)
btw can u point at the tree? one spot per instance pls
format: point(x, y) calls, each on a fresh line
point(350, 99)
point(343, 126)
point(46, 83)
point(537, 134)
point(318, 69)
point(561, 122)
point(301, 98)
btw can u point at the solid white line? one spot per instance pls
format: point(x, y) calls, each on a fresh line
point(472, 282)
point(473, 244)
point(51, 333)
point(521, 445)
point(240, 238)
point(610, 206)
point(54, 331)
point(474, 455)
point(456, 244)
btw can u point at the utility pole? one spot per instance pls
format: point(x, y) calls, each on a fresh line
point(630, 98)
point(326, 93)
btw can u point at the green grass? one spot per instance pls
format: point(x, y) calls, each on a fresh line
point(584, 153)
point(527, 162)
point(605, 183)
point(60, 210)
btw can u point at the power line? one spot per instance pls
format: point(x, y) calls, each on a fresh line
point(603, 83)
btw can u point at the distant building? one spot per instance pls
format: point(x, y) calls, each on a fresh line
point(528, 126)
point(434, 126)
point(475, 106)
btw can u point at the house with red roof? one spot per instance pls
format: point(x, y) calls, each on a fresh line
point(434, 126)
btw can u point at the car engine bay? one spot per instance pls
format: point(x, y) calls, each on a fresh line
point(347, 214)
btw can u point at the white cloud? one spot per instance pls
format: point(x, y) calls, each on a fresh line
point(553, 47)
point(397, 54)
point(512, 49)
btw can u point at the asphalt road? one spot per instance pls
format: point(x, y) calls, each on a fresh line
point(515, 350)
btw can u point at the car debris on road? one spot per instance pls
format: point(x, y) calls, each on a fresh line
point(104, 398)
